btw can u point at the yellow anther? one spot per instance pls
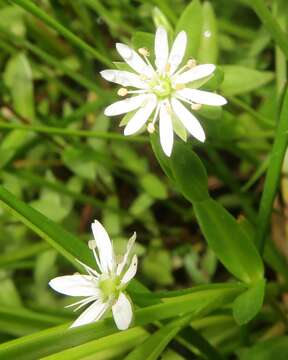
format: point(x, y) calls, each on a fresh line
point(122, 92)
point(195, 106)
point(151, 128)
point(167, 67)
point(179, 86)
point(92, 244)
point(144, 52)
point(191, 63)
point(143, 77)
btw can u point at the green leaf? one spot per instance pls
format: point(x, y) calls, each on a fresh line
point(55, 339)
point(68, 245)
point(248, 304)
point(109, 346)
point(208, 51)
point(153, 186)
point(18, 78)
point(78, 161)
point(240, 79)
point(229, 241)
point(191, 22)
point(189, 173)
point(153, 347)
point(275, 348)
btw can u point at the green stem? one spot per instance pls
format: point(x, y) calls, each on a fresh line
point(273, 175)
point(271, 25)
point(72, 132)
point(74, 39)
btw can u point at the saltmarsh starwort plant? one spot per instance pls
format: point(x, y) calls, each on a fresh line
point(104, 287)
point(161, 89)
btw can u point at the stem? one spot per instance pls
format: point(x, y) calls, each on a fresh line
point(271, 25)
point(74, 39)
point(273, 175)
point(72, 132)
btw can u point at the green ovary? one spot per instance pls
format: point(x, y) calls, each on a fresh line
point(109, 286)
point(162, 87)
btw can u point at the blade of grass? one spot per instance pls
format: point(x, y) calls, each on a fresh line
point(73, 132)
point(74, 39)
point(271, 25)
point(273, 175)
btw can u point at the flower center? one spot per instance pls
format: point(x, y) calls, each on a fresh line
point(161, 87)
point(109, 286)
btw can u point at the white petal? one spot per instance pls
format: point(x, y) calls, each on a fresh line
point(166, 129)
point(161, 48)
point(75, 285)
point(104, 246)
point(198, 72)
point(129, 248)
point(177, 51)
point(141, 116)
point(133, 59)
point(124, 106)
point(122, 312)
point(93, 313)
point(124, 78)
point(131, 271)
point(202, 97)
point(188, 120)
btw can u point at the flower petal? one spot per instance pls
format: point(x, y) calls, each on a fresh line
point(125, 106)
point(198, 72)
point(129, 248)
point(131, 271)
point(202, 97)
point(166, 129)
point(161, 48)
point(133, 59)
point(141, 116)
point(122, 312)
point(124, 78)
point(104, 246)
point(75, 285)
point(93, 313)
point(188, 120)
point(177, 51)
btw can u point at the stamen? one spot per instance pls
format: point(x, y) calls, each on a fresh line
point(122, 92)
point(179, 86)
point(195, 106)
point(92, 244)
point(144, 52)
point(150, 128)
point(191, 63)
point(167, 67)
point(143, 77)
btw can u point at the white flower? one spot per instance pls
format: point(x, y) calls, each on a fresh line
point(161, 90)
point(104, 289)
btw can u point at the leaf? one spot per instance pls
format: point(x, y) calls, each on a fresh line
point(208, 51)
point(191, 22)
point(229, 241)
point(189, 173)
point(240, 79)
point(248, 304)
point(157, 266)
point(78, 161)
point(18, 78)
point(68, 245)
point(275, 348)
point(153, 186)
point(55, 339)
point(153, 347)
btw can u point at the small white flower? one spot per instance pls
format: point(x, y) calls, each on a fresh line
point(105, 288)
point(160, 90)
